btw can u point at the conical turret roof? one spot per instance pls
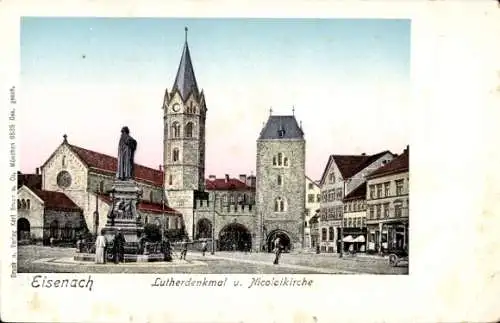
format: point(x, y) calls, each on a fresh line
point(185, 81)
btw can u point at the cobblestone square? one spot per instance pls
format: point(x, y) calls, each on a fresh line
point(37, 259)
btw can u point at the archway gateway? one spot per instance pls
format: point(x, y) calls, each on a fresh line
point(23, 229)
point(284, 240)
point(235, 237)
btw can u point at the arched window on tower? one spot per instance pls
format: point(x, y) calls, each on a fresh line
point(189, 130)
point(274, 161)
point(285, 161)
point(28, 204)
point(63, 162)
point(279, 180)
point(169, 179)
point(279, 205)
point(280, 158)
point(101, 186)
point(176, 130)
point(175, 154)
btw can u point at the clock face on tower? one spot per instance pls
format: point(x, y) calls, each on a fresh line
point(176, 107)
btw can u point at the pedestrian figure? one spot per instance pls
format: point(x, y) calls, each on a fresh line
point(52, 241)
point(277, 250)
point(184, 247)
point(166, 249)
point(142, 244)
point(204, 247)
point(100, 249)
point(119, 247)
point(245, 247)
point(79, 244)
point(317, 249)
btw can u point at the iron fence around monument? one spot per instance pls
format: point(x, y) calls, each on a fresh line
point(132, 248)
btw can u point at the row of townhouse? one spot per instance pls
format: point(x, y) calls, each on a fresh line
point(364, 203)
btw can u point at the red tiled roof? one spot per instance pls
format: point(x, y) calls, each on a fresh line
point(350, 165)
point(221, 184)
point(29, 180)
point(55, 200)
point(146, 206)
point(108, 164)
point(399, 164)
point(358, 193)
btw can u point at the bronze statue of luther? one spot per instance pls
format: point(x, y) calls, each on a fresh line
point(126, 151)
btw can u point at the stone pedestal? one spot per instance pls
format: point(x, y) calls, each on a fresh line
point(123, 213)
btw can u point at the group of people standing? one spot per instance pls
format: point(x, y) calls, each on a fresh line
point(117, 249)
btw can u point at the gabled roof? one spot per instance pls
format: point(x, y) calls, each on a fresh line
point(55, 200)
point(359, 193)
point(287, 125)
point(313, 182)
point(106, 164)
point(350, 165)
point(399, 164)
point(185, 81)
point(146, 206)
point(231, 184)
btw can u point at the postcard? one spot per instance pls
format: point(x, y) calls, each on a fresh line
point(190, 162)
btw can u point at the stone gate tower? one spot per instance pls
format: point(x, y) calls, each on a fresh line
point(184, 140)
point(280, 189)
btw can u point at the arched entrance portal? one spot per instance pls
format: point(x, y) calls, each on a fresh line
point(203, 229)
point(23, 229)
point(284, 240)
point(235, 237)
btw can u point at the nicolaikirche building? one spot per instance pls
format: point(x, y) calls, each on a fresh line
point(246, 212)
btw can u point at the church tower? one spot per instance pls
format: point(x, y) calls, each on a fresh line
point(184, 139)
point(280, 190)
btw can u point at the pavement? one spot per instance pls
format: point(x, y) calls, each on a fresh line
point(46, 259)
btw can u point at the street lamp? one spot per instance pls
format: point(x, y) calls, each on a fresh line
point(213, 223)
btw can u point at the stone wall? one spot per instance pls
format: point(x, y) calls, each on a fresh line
point(34, 214)
point(187, 172)
point(291, 190)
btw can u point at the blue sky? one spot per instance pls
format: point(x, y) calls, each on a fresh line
point(332, 70)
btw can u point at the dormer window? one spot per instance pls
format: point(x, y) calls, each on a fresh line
point(281, 132)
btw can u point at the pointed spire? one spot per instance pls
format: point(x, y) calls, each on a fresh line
point(185, 81)
point(293, 110)
point(186, 34)
point(271, 111)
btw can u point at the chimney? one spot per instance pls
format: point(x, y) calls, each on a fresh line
point(251, 181)
point(243, 178)
point(211, 177)
point(227, 178)
point(37, 171)
point(160, 167)
point(363, 154)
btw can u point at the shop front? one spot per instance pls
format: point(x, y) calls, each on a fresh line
point(354, 239)
point(387, 236)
